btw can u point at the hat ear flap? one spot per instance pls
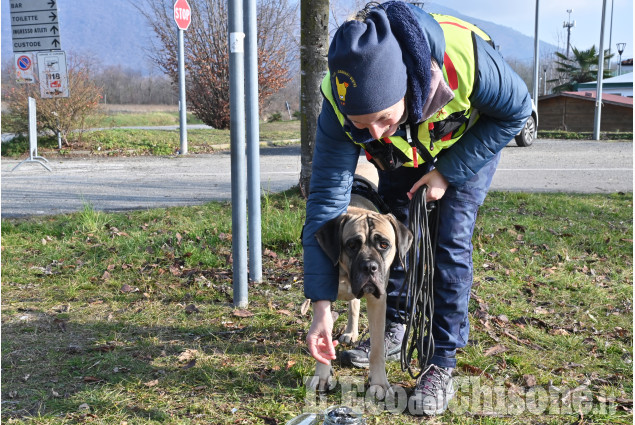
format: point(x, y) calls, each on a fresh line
point(329, 236)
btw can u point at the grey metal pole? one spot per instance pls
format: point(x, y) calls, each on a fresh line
point(237, 146)
point(536, 58)
point(598, 98)
point(608, 66)
point(253, 141)
point(182, 104)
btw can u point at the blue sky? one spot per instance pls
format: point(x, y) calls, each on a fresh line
point(520, 15)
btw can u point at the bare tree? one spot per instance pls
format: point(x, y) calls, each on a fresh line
point(62, 115)
point(128, 86)
point(314, 41)
point(207, 54)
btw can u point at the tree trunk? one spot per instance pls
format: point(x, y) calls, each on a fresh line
point(314, 41)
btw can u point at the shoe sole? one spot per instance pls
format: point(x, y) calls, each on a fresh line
point(366, 365)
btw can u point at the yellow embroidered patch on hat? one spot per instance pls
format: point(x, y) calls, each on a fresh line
point(343, 80)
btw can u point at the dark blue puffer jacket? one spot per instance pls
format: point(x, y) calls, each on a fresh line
point(503, 102)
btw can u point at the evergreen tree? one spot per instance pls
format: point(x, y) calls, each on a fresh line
point(580, 68)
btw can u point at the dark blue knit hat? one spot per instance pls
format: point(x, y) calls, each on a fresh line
point(365, 61)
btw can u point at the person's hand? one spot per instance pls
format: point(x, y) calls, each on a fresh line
point(319, 338)
point(437, 185)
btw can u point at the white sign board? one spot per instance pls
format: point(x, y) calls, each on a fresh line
point(34, 25)
point(53, 74)
point(25, 67)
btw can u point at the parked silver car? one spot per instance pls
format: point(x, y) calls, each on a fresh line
point(530, 131)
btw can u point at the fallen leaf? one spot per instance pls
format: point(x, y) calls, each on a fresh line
point(561, 332)
point(497, 349)
point(191, 308)
point(541, 310)
point(242, 313)
point(187, 355)
point(473, 370)
point(152, 383)
point(305, 307)
point(530, 380)
point(268, 421)
point(179, 238)
point(290, 364)
point(285, 312)
point(106, 275)
point(125, 288)
point(270, 253)
point(190, 364)
point(91, 379)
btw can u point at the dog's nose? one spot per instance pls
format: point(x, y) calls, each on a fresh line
point(371, 267)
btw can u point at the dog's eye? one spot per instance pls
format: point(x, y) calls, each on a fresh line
point(383, 244)
point(353, 244)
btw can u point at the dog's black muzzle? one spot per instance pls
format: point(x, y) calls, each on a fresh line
point(367, 277)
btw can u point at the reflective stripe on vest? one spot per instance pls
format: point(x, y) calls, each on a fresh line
point(446, 126)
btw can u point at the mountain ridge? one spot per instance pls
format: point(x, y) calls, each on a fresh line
point(115, 33)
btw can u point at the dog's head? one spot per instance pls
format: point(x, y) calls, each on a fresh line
point(365, 243)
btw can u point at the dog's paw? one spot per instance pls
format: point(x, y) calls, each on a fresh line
point(381, 391)
point(317, 384)
point(323, 380)
point(349, 337)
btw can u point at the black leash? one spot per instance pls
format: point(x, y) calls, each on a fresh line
point(423, 224)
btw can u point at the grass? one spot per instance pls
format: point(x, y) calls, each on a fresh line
point(127, 318)
point(130, 142)
point(138, 119)
point(585, 135)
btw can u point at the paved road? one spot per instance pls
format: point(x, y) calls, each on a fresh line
point(115, 184)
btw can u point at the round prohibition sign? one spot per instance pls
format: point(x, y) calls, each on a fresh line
point(24, 63)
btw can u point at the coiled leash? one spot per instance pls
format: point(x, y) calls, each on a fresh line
point(423, 223)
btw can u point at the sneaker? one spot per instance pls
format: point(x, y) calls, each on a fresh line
point(359, 356)
point(433, 391)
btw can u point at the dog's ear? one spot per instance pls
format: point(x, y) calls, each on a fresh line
point(404, 238)
point(329, 236)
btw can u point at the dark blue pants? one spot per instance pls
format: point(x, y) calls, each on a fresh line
point(453, 257)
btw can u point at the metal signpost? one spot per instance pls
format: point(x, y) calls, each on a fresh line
point(253, 141)
point(238, 145)
point(183, 18)
point(33, 156)
point(35, 28)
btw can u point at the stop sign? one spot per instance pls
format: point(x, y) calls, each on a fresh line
point(182, 14)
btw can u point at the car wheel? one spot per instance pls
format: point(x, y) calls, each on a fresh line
point(526, 136)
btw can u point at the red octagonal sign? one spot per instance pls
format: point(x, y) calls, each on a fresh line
point(182, 14)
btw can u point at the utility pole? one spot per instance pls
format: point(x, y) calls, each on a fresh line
point(598, 96)
point(568, 26)
point(610, 37)
point(536, 57)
